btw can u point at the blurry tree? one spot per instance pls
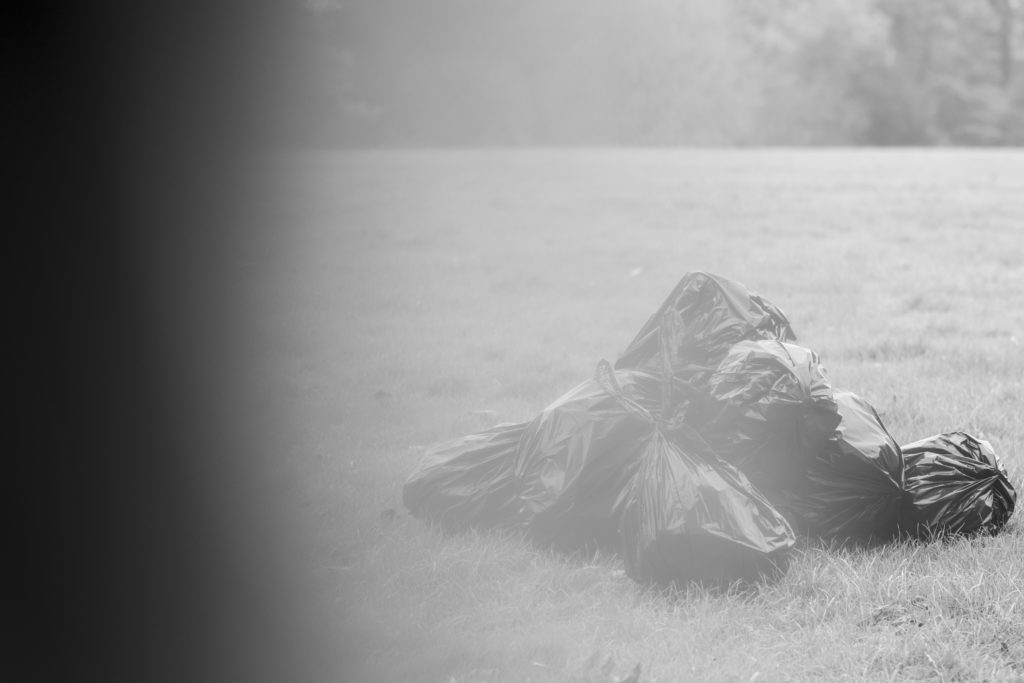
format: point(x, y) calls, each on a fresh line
point(809, 58)
point(952, 77)
point(729, 72)
point(956, 60)
point(684, 75)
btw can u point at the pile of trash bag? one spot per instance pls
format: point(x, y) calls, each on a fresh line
point(701, 453)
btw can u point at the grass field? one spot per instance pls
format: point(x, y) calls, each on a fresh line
point(424, 295)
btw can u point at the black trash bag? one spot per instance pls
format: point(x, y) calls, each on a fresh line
point(955, 484)
point(691, 517)
point(715, 313)
point(769, 411)
point(687, 515)
point(577, 456)
point(468, 482)
point(853, 490)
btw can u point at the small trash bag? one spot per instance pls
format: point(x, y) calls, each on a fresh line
point(468, 482)
point(691, 517)
point(769, 411)
point(854, 488)
point(955, 484)
point(715, 313)
point(578, 455)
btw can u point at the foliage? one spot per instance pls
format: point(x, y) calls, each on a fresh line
point(789, 72)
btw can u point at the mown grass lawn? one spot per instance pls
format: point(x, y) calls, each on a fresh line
point(424, 295)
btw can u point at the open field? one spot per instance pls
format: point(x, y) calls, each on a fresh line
point(427, 294)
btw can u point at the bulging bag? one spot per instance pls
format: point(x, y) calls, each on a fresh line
point(853, 490)
point(468, 482)
point(577, 456)
point(769, 411)
point(955, 484)
point(691, 517)
point(714, 313)
point(687, 515)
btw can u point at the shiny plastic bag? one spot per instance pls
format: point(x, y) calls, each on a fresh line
point(852, 490)
point(715, 313)
point(770, 410)
point(578, 455)
point(468, 482)
point(955, 484)
point(689, 516)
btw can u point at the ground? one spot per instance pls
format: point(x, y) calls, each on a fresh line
point(421, 295)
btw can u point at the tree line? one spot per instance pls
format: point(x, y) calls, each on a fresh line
point(662, 72)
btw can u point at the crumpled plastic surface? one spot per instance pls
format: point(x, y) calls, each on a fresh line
point(716, 313)
point(853, 490)
point(690, 516)
point(955, 484)
point(691, 454)
point(577, 456)
point(614, 454)
point(468, 482)
point(770, 411)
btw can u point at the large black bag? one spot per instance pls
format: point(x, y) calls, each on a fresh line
point(468, 482)
point(687, 515)
point(690, 516)
point(578, 455)
point(852, 490)
point(955, 484)
point(769, 411)
point(715, 313)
